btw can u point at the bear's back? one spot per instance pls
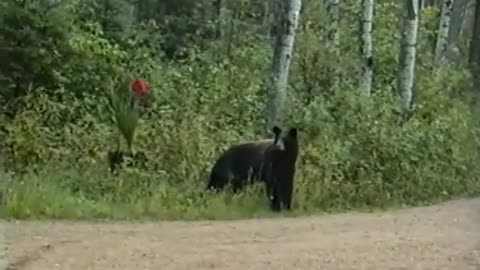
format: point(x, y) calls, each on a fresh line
point(240, 156)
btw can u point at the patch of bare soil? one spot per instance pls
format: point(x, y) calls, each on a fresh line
point(445, 236)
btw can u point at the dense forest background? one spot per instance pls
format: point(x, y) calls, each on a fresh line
point(209, 65)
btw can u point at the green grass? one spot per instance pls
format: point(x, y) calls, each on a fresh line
point(44, 195)
point(54, 194)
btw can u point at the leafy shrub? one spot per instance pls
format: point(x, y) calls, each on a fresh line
point(355, 151)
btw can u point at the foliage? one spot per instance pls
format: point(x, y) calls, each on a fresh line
point(355, 152)
point(29, 59)
point(125, 112)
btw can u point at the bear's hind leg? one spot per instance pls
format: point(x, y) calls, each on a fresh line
point(237, 184)
point(217, 182)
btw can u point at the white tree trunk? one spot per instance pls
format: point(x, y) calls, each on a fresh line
point(334, 39)
point(456, 30)
point(221, 15)
point(3, 244)
point(408, 51)
point(269, 13)
point(367, 47)
point(282, 55)
point(457, 20)
point(474, 58)
point(442, 37)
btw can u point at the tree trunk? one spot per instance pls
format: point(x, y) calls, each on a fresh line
point(281, 62)
point(3, 241)
point(442, 36)
point(268, 15)
point(407, 55)
point(334, 39)
point(221, 14)
point(232, 28)
point(277, 10)
point(367, 47)
point(474, 58)
point(456, 30)
point(456, 20)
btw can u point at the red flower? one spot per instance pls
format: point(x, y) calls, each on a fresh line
point(140, 87)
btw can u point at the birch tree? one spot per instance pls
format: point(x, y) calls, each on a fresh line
point(268, 16)
point(408, 49)
point(475, 41)
point(3, 244)
point(442, 36)
point(333, 36)
point(456, 29)
point(457, 20)
point(219, 17)
point(367, 47)
point(474, 58)
point(282, 55)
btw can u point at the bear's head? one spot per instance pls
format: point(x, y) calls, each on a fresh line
point(286, 143)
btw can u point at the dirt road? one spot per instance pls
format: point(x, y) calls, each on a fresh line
point(445, 236)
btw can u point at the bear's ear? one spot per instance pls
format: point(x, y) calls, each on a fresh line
point(276, 130)
point(276, 134)
point(292, 132)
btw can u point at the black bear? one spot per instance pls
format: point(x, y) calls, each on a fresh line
point(269, 161)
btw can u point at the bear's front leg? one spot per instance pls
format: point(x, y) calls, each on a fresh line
point(286, 192)
point(275, 200)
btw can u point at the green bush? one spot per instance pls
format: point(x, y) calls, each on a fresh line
point(364, 156)
point(355, 152)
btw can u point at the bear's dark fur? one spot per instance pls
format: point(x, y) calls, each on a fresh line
point(271, 161)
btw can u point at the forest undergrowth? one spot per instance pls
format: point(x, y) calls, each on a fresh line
point(356, 152)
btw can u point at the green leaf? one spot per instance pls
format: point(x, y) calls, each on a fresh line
point(125, 113)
